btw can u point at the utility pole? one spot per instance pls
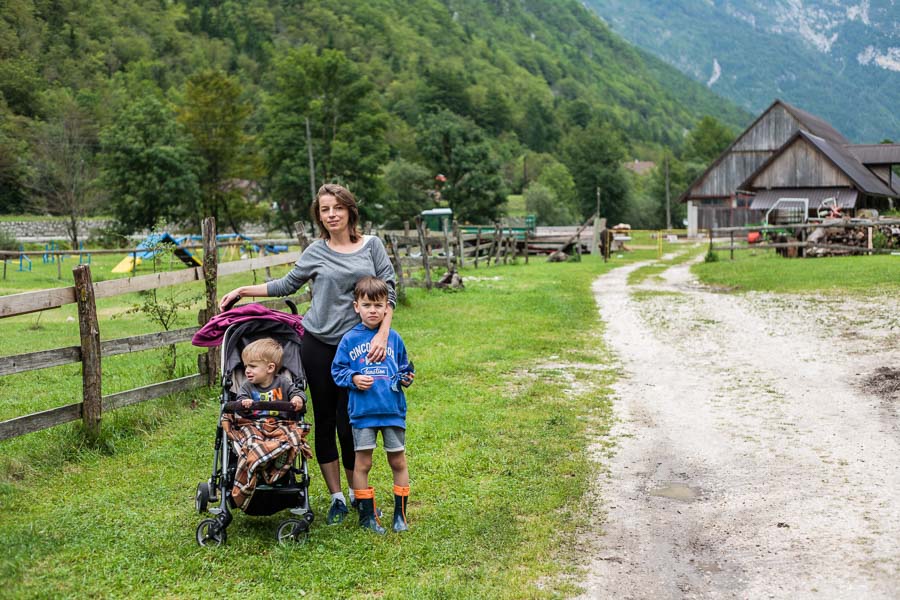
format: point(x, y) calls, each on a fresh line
point(312, 165)
point(668, 206)
point(595, 238)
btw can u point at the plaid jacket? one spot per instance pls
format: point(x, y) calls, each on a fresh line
point(266, 448)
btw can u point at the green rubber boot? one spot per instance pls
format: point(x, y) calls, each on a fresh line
point(367, 517)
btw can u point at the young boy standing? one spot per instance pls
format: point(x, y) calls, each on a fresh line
point(377, 402)
point(262, 361)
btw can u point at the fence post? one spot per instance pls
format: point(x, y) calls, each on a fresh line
point(423, 245)
point(398, 265)
point(89, 327)
point(477, 246)
point(732, 245)
point(210, 273)
point(446, 244)
point(459, 245)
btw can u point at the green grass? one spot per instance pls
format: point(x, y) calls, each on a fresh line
point(497, 455)
point(683, 254)
point(766, 271)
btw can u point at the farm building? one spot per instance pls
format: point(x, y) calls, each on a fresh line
point(789, 153)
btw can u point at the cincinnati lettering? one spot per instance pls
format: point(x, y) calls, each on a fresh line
point(362, 349)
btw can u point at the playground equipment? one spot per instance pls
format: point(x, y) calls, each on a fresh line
point(151, 246)
point(268, 248)
point(22, 259)
point(81, 255)
point(49, 250)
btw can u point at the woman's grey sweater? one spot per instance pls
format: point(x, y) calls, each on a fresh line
point(334, 275)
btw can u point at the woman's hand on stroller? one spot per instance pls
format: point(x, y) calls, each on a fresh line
point(229, 299)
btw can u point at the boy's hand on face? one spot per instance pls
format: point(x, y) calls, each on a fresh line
point(247, 402)
point(297, 401)
point(363, 382)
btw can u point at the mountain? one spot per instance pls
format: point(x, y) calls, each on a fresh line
point(838, 59)
point(507, 77)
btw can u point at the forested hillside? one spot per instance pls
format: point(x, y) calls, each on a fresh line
point(839, 59)
point(177, 109)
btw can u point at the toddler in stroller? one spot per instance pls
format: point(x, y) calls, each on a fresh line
point(260, 459)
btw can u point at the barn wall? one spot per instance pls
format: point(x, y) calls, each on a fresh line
point(771, 132)
point(801, 165)
point(731, 172)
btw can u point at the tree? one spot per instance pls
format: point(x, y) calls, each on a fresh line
point(543, 203)
point(539, 129)
point(409, 190)
point(707, 140)
point(13, 155)
point(63, 171)
point(346, 131)
point(455, 147)
point(148, 168)
point(214, 115)
point(593, 156)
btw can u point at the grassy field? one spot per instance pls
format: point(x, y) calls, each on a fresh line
point(766, 271)
point(497, 452)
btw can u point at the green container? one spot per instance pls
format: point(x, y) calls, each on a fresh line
point(434, 218)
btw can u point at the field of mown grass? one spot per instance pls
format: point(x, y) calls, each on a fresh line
point(497, 454)
point(763, 270)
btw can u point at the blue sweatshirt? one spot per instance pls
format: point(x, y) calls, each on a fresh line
point(384, 404)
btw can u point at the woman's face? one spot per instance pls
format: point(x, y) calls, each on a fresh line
point(333, 214)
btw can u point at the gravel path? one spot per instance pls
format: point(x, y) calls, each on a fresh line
point(758, 445)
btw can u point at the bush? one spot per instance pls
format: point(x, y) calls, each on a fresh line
point(108, 237)
point(8, 242)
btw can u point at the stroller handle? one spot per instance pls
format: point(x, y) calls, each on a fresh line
point(290, 303)
point(238, 407)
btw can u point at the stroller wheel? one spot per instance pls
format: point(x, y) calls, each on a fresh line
point(210, 533)
point(292, 531)
point(308, 517)
point(202, 498)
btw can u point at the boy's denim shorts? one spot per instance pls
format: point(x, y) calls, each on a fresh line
point(394, 438)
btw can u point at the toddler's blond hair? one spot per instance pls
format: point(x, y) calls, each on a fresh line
point(264, 349)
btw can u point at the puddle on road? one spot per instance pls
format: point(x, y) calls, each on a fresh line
point(676, 491)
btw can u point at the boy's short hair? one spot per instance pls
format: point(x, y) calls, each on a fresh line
point(264, 349)
point(371, 288)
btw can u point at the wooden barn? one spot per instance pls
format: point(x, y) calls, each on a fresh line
point(787, 152)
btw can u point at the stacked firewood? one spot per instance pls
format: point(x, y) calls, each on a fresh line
point(883, 236)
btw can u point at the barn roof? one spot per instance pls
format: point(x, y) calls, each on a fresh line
point(805, 120)
point(814, 124)
point(864, 179)
point(876, 154)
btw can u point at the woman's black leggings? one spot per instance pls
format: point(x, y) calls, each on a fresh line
point(329, 403)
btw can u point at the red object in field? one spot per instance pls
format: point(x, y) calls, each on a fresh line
point(754, 237)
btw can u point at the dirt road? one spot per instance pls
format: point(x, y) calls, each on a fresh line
point(758, 445)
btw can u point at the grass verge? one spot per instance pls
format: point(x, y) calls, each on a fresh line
point(839, 275)
point(497, 453)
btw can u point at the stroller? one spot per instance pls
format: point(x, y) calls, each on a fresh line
point(287, 485)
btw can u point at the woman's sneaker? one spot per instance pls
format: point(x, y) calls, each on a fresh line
point(336, 512)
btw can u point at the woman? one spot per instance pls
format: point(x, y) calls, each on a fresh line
point(334, 263)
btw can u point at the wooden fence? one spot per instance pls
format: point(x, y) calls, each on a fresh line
point(422, 249)
point(91, 351)
point(449, 249)
point(799, 238)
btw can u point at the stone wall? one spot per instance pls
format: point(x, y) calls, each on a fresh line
point(55, 229)
point(50, 229)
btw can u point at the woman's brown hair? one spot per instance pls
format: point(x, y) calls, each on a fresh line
point(346, 199)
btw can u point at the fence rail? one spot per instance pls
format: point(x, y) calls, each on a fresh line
point(420, 250)
point(796, 237)
point(91, 351)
